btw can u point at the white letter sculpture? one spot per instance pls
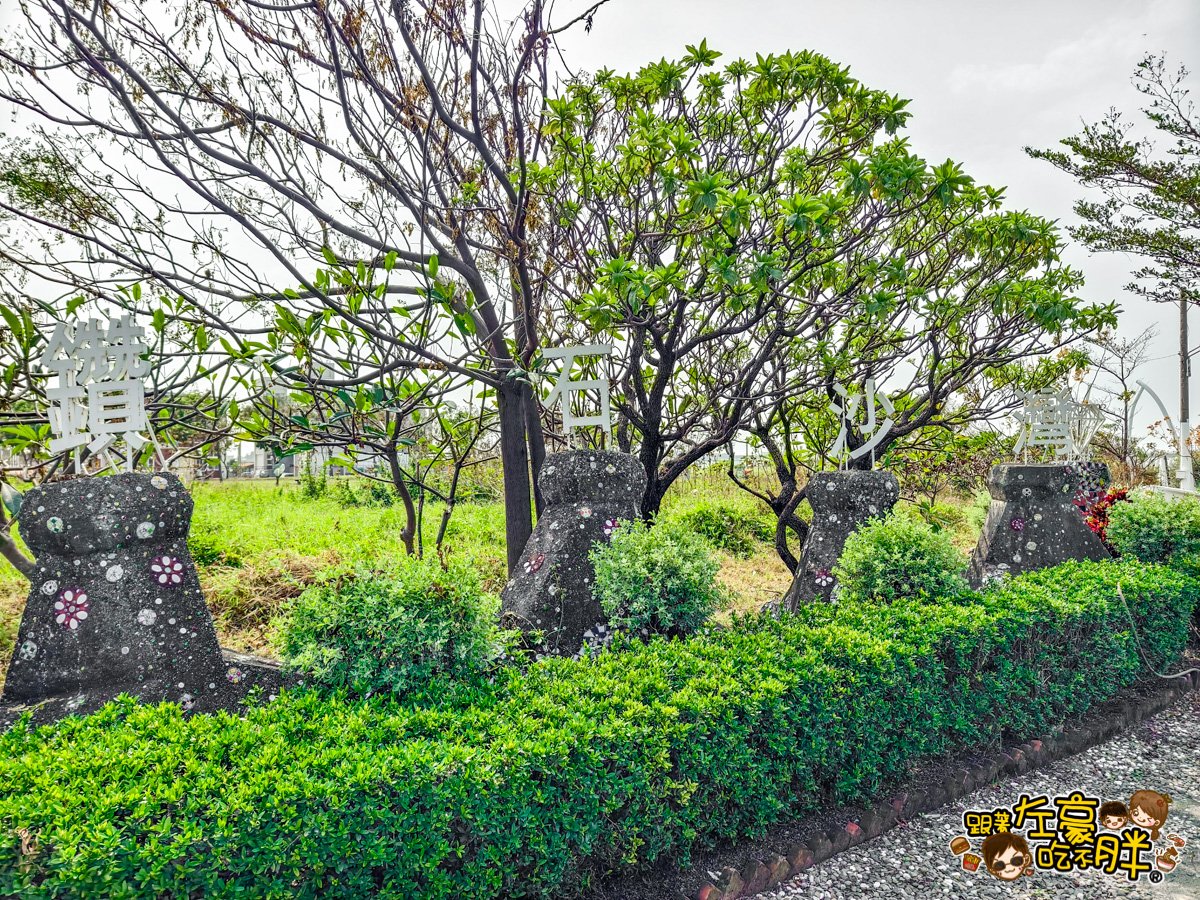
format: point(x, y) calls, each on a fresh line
point(1051, 418)
point(564, 388)
point(848, 409)
point(107, 363)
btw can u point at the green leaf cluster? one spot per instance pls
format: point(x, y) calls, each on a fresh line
point(726, 526)
point(412, 628)
point(657, 580)
point(1156, 529)
point(898, 556)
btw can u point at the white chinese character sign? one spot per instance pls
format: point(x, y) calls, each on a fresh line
point(1055, 420)
point(565, 388)
point(104, 366)
point(872, 431)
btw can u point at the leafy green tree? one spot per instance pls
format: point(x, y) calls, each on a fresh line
point(756, 233)
point(1151, 205)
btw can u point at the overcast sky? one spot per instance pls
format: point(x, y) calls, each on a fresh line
point(985, 80)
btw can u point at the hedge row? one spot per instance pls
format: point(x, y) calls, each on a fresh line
point(572, 769)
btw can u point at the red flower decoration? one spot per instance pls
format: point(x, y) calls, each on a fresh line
point(166, 570)
point(71, 608)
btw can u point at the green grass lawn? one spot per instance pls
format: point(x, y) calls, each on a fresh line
point(258, 545)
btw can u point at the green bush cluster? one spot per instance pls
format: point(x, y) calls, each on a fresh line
point(369, 493)
point(414, 628)
point(662, 580)
point(313, 483)
point(727, 527)
point(572, 769)
point(1155, 529)
point(898, 556)
point(207, 549)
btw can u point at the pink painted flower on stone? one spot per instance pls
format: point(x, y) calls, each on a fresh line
point(1017, 524)
point(823, 577)
point(610, 525)
point(71, 608)
point(166, 570)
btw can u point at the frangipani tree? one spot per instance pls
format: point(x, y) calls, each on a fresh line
point(756, 233)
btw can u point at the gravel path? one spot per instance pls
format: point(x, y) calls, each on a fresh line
point(914, 860)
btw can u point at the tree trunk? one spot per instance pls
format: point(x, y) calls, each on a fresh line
point(514, 460)
point(10, 551)
point(537, 444)
point(410, 512)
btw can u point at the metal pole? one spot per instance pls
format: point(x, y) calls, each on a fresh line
point(1187, 480)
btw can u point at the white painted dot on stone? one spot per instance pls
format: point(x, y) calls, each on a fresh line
point(158, 600)
point(41, 509)
point(124, 651)
point(170, 621)
point(50, 587)
point(212, 686)
point(183, 631)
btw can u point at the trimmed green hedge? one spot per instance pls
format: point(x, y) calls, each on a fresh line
point(574, 768)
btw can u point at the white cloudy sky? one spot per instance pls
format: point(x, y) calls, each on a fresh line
point(985, 79)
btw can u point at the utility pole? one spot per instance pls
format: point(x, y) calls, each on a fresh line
point(1187, 480)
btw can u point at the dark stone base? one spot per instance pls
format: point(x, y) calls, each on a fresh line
point(1033, 522)
point(586, 494)
point(841, 502)
point(258, 680)
point(114, 600)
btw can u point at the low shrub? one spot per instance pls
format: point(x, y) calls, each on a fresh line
point(730, 528)
point(975, 514)
point(313, 482)
point(409, 629)
point(898, 556)
point(553, 777)
point(1155, 529)
point(662, 580)
point(207, 549)
point(369, 493)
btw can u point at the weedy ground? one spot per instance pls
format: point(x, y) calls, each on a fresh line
point(258, 545)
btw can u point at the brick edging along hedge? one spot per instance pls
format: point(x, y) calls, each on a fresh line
point(766, 872)
point(572, 769)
